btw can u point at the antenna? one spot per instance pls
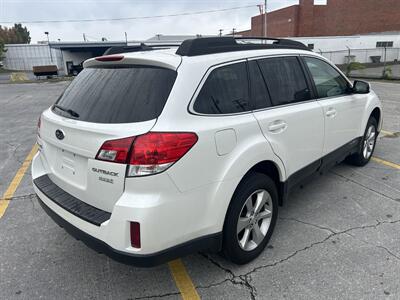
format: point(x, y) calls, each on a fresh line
point(260, 8)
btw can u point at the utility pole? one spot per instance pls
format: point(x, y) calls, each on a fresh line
point(384, 65)
point(261, 9)
point(84, 37)
point(48, 43)
point(233, 31)
point(265, 18)
point(220, 32)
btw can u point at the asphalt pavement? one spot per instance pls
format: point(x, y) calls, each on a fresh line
point(336, 238)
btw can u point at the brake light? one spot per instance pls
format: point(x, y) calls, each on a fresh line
point(115, 150)
point(109, 58)
point(150, 153)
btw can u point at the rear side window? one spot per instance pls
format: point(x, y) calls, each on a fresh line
point(118, 95)
point(225, 91)
point(328, 81)
point(285, 80)
point(259, 91)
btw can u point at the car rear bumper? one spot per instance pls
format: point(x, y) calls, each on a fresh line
point(167, 227)
point(209, 242)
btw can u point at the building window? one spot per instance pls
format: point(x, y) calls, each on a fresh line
point(310, 46)
point(384, 44)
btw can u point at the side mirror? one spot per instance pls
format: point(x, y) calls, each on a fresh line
point(361, 87)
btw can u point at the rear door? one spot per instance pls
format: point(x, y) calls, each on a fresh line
point(342, 110)
point(101, 104)
point(290, 119)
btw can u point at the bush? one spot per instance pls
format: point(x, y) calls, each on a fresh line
point(387, 73)
point(354, 66)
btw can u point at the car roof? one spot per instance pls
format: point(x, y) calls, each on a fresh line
point(219, 58)
point(167, 58)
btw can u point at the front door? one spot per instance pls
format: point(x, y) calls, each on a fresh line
point(342, 110)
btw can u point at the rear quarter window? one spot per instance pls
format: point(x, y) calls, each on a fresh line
point(225, 91)
point(120, 94)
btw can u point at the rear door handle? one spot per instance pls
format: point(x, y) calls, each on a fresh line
point(331, 112)
point(277, 126)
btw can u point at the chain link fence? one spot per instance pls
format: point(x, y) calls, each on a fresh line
point(376, 63)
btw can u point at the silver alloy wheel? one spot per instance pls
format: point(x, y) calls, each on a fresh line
point(369, 142)
point(254, 220)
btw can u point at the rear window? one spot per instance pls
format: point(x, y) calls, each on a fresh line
point(118, 94)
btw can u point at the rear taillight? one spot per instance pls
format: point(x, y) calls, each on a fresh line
point(150, 153)
point(115, 150)
point(156, 151)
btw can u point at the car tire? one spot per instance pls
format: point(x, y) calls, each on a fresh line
point(247, 220)
point(367, 145)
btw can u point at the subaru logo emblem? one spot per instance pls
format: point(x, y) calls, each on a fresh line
point(59, 134)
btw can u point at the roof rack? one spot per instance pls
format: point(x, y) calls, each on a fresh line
point(209, 45)
point(137, 48)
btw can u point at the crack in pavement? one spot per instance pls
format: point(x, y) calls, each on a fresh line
point(33, 203)
point(242, 280)
point(21, 197)
point(376, 246)
point(14, 153)
point(156, 296)
point(310, 224)
point(246, 278)
point(365, 187)
point(380, 182)
point(321, 242)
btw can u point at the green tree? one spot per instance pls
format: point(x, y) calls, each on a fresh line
point(2, 50)
point(15, 35)
point(22, 34)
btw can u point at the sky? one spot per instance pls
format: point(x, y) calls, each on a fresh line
point(45, 10)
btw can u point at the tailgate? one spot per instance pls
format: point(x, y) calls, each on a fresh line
point(70, 157)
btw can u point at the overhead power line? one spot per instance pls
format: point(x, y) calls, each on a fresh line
point(131, 18)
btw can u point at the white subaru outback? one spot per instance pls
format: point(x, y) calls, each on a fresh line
point(163, 151)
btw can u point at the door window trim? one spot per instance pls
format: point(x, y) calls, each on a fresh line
point(309, 82)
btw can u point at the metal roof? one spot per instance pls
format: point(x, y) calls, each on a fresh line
point(76, 45)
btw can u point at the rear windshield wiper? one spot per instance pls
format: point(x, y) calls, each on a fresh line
point(67, 110)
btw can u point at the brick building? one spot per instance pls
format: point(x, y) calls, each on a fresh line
point(336, 18)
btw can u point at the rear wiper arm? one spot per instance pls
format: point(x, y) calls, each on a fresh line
point(67, 110)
